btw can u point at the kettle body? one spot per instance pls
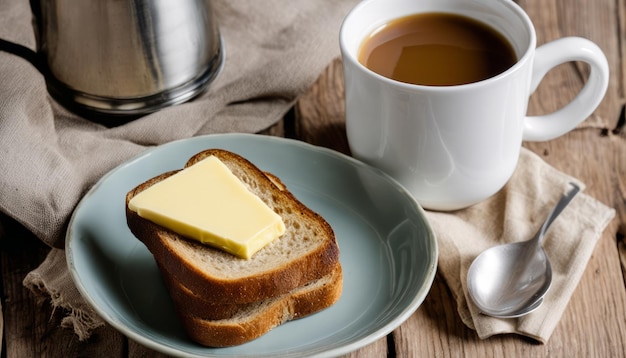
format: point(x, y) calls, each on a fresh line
point(128, 57)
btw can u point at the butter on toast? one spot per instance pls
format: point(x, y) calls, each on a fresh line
point(306, 251)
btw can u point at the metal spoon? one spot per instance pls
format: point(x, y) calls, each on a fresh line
point(510, 280)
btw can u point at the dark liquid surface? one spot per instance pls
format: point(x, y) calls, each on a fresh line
point(437, 49)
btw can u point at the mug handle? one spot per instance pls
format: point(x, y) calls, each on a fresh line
point(548, 56)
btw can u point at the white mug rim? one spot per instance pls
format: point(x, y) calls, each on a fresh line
point(521, 61)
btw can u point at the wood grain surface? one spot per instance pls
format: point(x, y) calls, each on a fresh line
point(594, 323)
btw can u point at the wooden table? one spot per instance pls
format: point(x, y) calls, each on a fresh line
point(594, 323)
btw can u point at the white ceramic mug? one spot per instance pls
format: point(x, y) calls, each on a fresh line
point(455, 146)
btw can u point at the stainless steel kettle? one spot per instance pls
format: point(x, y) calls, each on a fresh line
point(128, 57)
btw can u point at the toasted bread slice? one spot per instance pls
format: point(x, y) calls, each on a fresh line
point(306, 252)
point(253, 320)
point(204, 308)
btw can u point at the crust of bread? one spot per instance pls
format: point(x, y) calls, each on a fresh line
point(280, 277)
point(255, 320)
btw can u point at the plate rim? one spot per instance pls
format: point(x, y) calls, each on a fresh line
point(360, 342)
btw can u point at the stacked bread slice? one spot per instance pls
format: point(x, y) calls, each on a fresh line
point(223, 300)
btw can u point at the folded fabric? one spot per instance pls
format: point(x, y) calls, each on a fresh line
point(274, 51)
point(515, 214)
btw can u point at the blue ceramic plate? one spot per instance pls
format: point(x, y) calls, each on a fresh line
point(388, 250)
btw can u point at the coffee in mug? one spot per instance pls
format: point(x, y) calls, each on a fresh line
point(454, 145)
point(436, 49)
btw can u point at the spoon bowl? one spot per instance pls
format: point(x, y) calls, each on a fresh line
point(499, 270)
point(511, 280)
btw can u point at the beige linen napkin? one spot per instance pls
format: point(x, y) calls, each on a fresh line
point(515, 214)
point(274, 51)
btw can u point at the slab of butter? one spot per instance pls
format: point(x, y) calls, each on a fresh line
point(207, 202)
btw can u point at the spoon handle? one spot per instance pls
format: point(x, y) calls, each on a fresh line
point(556, 211)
